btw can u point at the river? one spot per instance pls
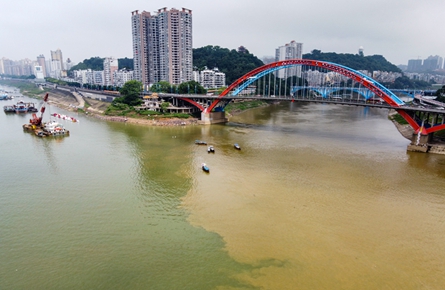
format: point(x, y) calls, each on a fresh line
point(318, 197)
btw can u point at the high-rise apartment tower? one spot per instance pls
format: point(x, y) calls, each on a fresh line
point(292, 50)
point(57, 55)
point(42, 63)
point(162, 46)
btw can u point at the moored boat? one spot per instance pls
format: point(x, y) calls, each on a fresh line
point(200, 142)
point(205, 168)
point(21, 107)
point(210, 149)
point(4, 97)
point(9, 109)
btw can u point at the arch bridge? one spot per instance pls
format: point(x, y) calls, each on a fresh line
point(261, 83)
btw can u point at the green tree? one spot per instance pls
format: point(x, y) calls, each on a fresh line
point(354, 61)
point(163, 87)
point(94, 63)
point(126, 63)
point(440, 93)
point(191, 87)
point(131, 92)
point(164, 106)
point(231, 62)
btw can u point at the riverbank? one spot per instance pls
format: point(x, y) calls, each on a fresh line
point(96, 108)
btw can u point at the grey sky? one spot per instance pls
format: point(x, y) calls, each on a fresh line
point(397, 29)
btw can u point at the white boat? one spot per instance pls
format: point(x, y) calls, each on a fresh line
point(52, 128)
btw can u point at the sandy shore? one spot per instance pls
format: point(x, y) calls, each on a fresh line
point(96, 108)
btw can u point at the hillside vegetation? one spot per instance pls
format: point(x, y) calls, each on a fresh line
point(97, 63)
point(354, 61)
point(231, 62)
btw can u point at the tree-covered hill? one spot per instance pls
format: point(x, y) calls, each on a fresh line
point(231, 62)
point(354, 61)
point(97, 63)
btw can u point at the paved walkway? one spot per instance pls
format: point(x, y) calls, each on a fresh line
point(80, 100)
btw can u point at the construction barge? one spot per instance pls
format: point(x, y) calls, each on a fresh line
point(43, 129)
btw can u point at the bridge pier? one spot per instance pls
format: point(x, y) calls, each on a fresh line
point(419, 142)
point(213, 118)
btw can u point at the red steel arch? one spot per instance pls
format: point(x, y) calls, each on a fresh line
point(332, 67)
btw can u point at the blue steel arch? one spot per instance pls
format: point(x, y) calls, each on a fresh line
point(252, 78)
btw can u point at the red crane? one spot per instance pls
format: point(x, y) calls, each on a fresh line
point(37, 121)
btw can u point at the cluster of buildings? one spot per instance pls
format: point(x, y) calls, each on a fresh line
point(430, 64)
point(322, 78)
point(111, 75)
point(163, 51)
point(55, 67)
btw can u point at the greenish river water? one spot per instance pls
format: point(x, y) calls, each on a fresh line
point(319, 197)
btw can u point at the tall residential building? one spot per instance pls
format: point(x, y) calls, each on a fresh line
point(3, 62)
point(432, 63)
point(110, 66)
point(162, 46)
point(57, 55)
point(42, 63)
point(292, 50)
point(414, 65)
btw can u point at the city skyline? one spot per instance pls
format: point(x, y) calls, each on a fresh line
point(88, 29)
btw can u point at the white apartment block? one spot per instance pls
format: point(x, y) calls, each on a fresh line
point(292, 50)
point(212, 79)
point(122, 76)
point(98, 77)
point(110, 66)
point(196, 76)
point(54, 68)
point(38, 72)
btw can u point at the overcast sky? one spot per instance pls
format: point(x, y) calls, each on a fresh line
point(397, 29)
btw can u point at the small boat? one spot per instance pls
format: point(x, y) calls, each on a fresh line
point(52, 128)
point(199, 142)
point(210, 149)
point(9, 109)
point(32, 108)
point(237, 147)
point(4, 97)
point(21, 107)
point(205, 168)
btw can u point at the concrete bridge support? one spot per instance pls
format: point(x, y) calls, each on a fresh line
point(213, 118)
point(419, 143)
